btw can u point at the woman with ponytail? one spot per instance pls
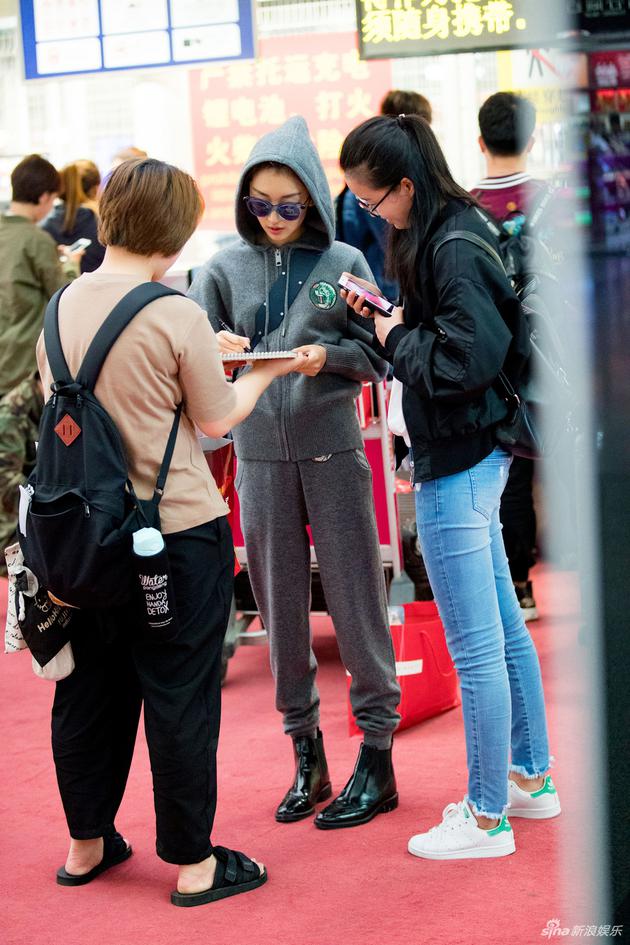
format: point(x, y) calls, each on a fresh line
point(76, 215)
point(458, 325)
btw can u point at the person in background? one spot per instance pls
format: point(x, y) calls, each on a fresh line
point(402, 102)
point(301, 462)
point(460, 324)
point(370, 234)
point(20, 413)
point(127, 154)
point(30, 272)
point(30, 269)
point(506, 125)
point(76, 214)
point(167, 356)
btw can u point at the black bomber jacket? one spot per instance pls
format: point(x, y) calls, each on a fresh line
point(461, 329)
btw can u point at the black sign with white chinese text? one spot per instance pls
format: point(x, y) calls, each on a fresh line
point(393, 28)
point(601, 16)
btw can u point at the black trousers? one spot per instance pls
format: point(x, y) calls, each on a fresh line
point(518, 518)
point(119, 665)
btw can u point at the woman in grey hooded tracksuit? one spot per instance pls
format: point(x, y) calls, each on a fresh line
point(301, 461)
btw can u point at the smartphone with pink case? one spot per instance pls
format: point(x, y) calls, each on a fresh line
point(375, 302)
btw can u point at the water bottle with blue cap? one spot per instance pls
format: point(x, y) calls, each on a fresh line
point(156, 583)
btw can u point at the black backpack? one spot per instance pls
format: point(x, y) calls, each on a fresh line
point(76, 534)
point(538, 394)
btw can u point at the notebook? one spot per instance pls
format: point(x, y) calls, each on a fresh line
point(257, 355)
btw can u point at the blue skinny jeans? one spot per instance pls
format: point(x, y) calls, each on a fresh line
point(493, 652)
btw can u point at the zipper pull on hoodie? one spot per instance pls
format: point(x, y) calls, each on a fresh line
point(278, 258)
point(286, 294)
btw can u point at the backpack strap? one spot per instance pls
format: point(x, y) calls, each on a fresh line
point(52, 342)
point(297, 270)
point(538, 209)
point(114, 325)
point(470, 238)
point(168, 455)
point(494, 224)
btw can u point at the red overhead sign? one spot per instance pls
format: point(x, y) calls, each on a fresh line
point(318, 76)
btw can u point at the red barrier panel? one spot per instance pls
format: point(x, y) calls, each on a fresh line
point(424, 668)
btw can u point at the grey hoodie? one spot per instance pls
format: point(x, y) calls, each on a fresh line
point(298, 417)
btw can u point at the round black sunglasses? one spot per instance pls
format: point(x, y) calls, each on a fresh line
point(262, 208)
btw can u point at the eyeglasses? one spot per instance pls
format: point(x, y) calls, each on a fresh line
point(262, 208)
point(372, 210)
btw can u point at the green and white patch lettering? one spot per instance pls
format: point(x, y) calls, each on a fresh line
point(323, 295)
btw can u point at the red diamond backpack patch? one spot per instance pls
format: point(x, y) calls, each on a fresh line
point(67, 430)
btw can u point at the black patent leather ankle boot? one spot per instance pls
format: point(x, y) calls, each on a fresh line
point(311, 784)
point(370, 791)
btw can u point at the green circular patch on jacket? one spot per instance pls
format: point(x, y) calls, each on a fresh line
point(323, 295)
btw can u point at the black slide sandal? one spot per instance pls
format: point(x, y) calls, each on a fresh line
point(115, 851)
point(235, 873)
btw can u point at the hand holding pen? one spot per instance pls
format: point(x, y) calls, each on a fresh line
point(231, 343)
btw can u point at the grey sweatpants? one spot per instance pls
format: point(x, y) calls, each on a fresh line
point(278, 500)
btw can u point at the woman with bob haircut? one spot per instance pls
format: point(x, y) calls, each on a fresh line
point(167, 355)
point(458, 326)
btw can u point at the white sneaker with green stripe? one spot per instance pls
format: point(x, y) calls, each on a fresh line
point(459, 837)
point(537, 805)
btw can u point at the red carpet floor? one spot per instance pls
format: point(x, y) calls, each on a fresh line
point(351, 886)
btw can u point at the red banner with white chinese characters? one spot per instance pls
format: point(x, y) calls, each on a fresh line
point(235, 103)
point(610, 69)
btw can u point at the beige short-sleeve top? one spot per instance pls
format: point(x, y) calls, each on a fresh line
point(167, 354)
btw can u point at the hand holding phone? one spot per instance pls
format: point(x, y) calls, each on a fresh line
point(376, 303)
point(73, 254)
point(81, 243)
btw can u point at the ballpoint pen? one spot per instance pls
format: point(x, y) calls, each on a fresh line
point(225, 327)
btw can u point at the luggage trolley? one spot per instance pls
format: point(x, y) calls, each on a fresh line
point(371, 407)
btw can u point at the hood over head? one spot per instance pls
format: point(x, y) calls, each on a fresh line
point(291, 145)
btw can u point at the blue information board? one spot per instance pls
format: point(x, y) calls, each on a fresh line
point(70, 37)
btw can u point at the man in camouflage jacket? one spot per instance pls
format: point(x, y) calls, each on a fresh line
point(20, 411)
